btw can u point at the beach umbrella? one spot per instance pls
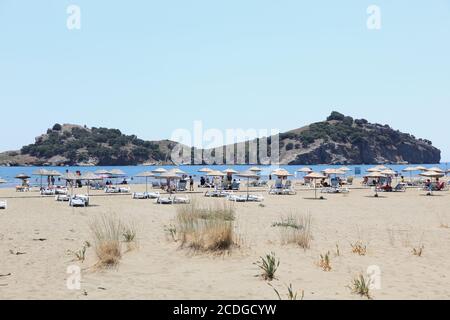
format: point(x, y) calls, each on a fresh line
point(146, 175)
point(2, 180)
point(205, 170)
point(89, 176)
point(102, 172)
point(248, 175)
point(117, 172)
point(381, 167)
point(388, 172)
point(305, 170)
point(230, 171)
point(345, 169)
point(168, 176)
point(432, 174)
point(374, 169)
point(159, 170)
point(71, 178)
point(255, 169)
point(282, 173)
point(410, 170)
point(435, 169)
point(333, 171)
point(177, 171)
point(46, 173)
point(315, 176)
point(420, 168)
point(375, 175)
point(22, 176)
point(216, 173)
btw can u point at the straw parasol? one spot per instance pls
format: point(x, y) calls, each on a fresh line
point(432, 174)
point(168, 176)
point(205, 170)
point(230, 171)
point(255, 169)
point(89, 176)
point(281, 173)
point(345, 169)
point(216, 173)
point(315, 176)
point(333, 171)
point(3, 180)
point(410, 170)
point(435, 169)
point(117, 172)
point(374, 169)
point(305, 170)
point(102, 172)
point(388, 172)
point(248, 175)
point(421, 168)
point(177, 171)
point(46, 173)
point(159, 170)
point(72, 177)
point(375, 175)
point(381, 167)
point(146, 175)
point(22, 176)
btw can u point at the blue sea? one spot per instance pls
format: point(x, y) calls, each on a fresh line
point(8, 173)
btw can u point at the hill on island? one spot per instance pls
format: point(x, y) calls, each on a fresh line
point(338, 140)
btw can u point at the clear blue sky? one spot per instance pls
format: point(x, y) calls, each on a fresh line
point(149, 67)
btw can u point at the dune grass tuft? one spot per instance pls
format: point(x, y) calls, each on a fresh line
point(107, 231)
point(269, 266)
point(361, 287)
point(291, 294)
point(325, 262)
point(359, 248)
point(296, 229)
point(206, 228)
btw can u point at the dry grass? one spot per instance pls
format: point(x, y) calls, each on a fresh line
point(443, 221)
point(418, 251)
point(325, 262)
point(359, 248)
point(107, 231)
point(296, 229)
point(80, 255)
point(206, 228)
point(291, 294)
point(361, 287)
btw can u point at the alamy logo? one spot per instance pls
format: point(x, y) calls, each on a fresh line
point(74, 19)
point(374, 19)
point(231, 146)
point(74, 280)
point(374, 273)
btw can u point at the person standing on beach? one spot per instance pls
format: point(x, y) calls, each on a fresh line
point(191, 183)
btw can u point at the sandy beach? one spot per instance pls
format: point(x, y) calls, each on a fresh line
point(36, 234)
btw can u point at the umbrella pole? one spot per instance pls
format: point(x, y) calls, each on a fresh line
point(248, 188)
point(146, 184)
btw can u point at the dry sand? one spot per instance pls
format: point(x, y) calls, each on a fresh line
point(391, 225)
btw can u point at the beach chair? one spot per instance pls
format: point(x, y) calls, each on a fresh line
point(61, 191)
point(161, 200)
point(350, 181)
point(3, 204)
point(181, 200)
point(235, 186)
point(22, 189)
point(237, 198)
point(79, 201)
point(140, 195)
point(48, 192)
point(182, 185)
point(400, 187)
point(217, 194)
point(62, 198)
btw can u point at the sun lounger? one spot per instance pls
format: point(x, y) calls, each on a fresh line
point(335, 190)
point(3, 204)
point(22, 189)
point(173, 200)
point(117, 189)
point(217, 194)
point(146, 195)
point(245, 198)
point(79, 201)
point(48, 192)
point(61, 191)
point(182, 186)
point(62, 197)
